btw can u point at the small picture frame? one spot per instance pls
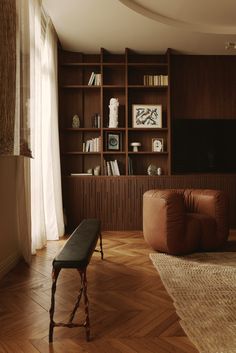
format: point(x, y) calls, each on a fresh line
point(157, 144)
point(146, 116)
point(113, 141)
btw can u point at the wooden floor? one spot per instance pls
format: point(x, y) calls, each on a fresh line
point(130, 310)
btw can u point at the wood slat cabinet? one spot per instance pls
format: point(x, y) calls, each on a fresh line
point(140, 83)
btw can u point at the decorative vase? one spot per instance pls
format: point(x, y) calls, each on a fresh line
point(76, 121)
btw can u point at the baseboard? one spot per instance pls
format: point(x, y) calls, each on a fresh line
point(7, 264)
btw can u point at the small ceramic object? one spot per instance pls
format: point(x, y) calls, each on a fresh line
point(135, 146)
point(152, 169)
point(159, 171)
point(76, 121)
point(97, 170)
point(90, 171)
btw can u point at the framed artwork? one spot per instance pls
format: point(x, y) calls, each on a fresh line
point(113, 141)
point(157, 144)
point(146, 116)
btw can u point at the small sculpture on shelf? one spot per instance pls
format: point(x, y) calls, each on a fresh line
point(113, 115)
point(97, 170)
point(159, 171)
point(76, 121)
point(135, 146)
point(154, 170)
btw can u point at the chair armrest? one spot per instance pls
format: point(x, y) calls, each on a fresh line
point(163, 215)
point(214, 203)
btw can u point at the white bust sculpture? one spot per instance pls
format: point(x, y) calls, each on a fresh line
point(113, 116)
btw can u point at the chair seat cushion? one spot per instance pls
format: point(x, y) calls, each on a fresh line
point(79, 248)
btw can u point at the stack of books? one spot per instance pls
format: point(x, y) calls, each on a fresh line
point(94, 80)
point(111, 167)
point(155, 80)
point(92, 145)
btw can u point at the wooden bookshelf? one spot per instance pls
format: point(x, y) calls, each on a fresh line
point(122, 77)
point(199, 87)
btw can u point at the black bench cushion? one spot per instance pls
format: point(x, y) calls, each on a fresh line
point(78, 249)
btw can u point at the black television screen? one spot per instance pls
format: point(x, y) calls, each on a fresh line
point(204, 146)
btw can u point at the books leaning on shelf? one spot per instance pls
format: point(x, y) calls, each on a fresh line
point(111, 168)
point(155, 80)
point(92, 145)
point(95, 79)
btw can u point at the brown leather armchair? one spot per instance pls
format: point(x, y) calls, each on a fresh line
point(177, 221)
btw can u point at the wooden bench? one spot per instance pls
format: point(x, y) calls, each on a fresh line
point(76, 253)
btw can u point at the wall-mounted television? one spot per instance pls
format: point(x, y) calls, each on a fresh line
point(203, 146)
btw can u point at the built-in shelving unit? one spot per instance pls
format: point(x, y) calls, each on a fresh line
point(198, 127)
point(122, 77)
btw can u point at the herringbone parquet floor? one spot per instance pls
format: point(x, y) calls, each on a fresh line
point(130, 310)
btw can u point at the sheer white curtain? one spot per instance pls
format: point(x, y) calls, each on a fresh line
point(38, 232)
point(50, 140)
point(46, 200)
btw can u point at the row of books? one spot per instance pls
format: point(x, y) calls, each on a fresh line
point(95, 79)
point(92, 145)
point(155, 80)
point(111, 167)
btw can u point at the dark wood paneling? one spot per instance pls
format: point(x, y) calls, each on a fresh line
point(203, 86)
point(117, 201)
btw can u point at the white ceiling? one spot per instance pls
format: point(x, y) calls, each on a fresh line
point(188, 26)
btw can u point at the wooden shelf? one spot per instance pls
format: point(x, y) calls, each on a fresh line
point(114, 86)
point(121, 77)
point(142, 129)
point(81, 129)
point(148, 86)
point(81, 64)
point(147, 65)
point(148, 152)
point(81, 153)
point(106, 64)
point(81, 86)
point(114, 129)
point(114, 152)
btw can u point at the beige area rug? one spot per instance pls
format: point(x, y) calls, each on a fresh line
point(203, 288)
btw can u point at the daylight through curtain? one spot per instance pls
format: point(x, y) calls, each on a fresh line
point(46, 199)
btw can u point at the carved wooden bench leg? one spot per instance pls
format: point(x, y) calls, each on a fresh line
point(86, 303)
point(101, 249)
point(77, 303)
point(55, 273)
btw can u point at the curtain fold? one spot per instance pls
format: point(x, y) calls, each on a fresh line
point(29, 111)
point(50, 140)
point(38, 229)
point(46, 198)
